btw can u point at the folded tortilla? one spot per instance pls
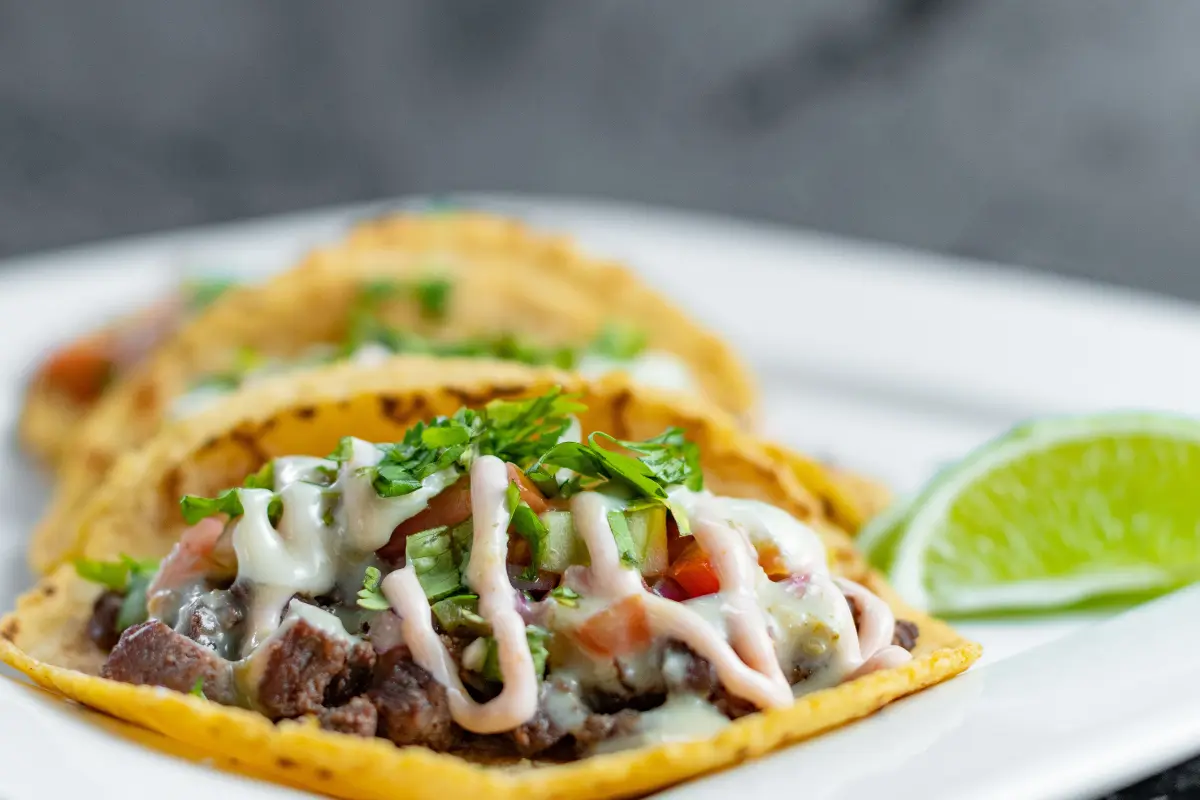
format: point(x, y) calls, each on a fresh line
point(135, 512)
point(504, 280)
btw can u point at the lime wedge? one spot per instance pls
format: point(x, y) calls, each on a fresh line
point(1052, 514)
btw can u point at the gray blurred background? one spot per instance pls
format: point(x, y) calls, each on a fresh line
point(1055, 134)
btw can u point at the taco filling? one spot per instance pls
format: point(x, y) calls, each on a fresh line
point(81, 370)
point(369, 340)
point(491, 583)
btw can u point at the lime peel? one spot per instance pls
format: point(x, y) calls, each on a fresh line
point(950, 564)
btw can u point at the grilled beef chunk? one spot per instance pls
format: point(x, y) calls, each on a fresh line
point(303, 665)
point(356, 718)
point(413, 707)
point(211, 619)
point(906, 634)
point(152, 654)
point(694, 674)
point(102, 627)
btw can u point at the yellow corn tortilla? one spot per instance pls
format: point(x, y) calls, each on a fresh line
point(135, 512)
point(506, 279)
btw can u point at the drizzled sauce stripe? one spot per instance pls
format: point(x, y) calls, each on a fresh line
point(487, 574)
point(610, 579)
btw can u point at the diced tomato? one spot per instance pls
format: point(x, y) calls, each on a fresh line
point(617, 630)
point(771, 560)
point(676, 544)
point(693, 571)
point(82, 369)
point(451, 506)
point(529, 492)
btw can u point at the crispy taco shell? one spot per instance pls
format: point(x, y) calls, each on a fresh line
point(506, 280)
point(136, 512)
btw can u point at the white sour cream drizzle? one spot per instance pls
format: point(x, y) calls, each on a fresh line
point(487, 575)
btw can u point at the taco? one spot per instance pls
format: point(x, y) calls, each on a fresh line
point(444, 578)
point(69, 383)
point(447, 285)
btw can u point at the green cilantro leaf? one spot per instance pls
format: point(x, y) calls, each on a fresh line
point(521, 430)
point(370, 596)
point(665, 460)
point(263, 479)
point(112, 575)
point(342, 452)
point(196, 508)
point(433, 295)
point(619, 341)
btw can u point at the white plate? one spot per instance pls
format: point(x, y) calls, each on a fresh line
point(889, 361)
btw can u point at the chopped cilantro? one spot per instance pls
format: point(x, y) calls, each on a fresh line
point(370, 596)
point(114, 575)
point(343, 451)
point(229, 502)
point(198, 689)
point(516, 431)
point(619, 341)
point(520, 430)
point(666, 459)
point(565, 596)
